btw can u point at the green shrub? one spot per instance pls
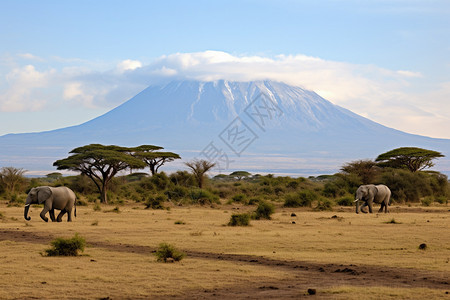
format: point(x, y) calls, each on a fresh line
point(97, 206)
point(241, 198)
point(441, 200)
point(160, 181)
point(254, 200)
point(300, 199)
point(324, 204)
point(177, 192)
point(292, 184)
point(167, 252)
point(239, 220)
point(264, 211)
point(155, 202)
point(66, 247)
point(201, 196)
point(345, 201)
point(427, 201)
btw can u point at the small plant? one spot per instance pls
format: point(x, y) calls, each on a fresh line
point(393, 221)
point(97, 207)
point(66, 247)
point(179, 222)
point(324, 204)
point(167, 252)
point(264, 211)
point(239, 220)
point(95, 223)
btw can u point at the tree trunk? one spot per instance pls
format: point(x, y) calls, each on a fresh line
point(104, 195)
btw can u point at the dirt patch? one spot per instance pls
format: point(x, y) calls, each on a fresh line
point(304, 275)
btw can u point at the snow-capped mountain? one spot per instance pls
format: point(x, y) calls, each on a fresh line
point(260, 126)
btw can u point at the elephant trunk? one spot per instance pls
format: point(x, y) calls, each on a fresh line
point(25, 213)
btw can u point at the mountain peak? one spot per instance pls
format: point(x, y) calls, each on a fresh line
point(290, 129)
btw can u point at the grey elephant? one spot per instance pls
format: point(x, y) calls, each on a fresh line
point(61, 198)
point(370, 194)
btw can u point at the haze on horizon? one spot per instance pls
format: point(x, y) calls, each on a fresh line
point(63, 63)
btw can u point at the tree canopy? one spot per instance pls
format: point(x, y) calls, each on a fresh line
point(100, 163)
point(411, 158)
point(153, 158)
point(199, 168)
point(11, 177)
point(240, 174)
point(366, 170)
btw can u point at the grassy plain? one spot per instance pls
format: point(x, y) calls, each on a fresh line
point(339, 254)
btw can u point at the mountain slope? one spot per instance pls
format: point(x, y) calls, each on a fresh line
point(280, 129)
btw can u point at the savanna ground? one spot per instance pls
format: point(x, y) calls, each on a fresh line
point(339, 254)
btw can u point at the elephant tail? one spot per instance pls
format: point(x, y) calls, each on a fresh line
point(75, 211)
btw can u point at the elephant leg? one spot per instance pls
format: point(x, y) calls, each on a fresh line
point(370, 207)
point(69, 215)
point(381, 207)
point(52, 214)
point(363, 206)
point(44, 212)
point(61, 214)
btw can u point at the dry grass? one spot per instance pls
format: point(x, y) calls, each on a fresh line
point(108, 269)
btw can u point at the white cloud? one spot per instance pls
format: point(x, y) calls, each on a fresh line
point(383, 95)
point(129, 65)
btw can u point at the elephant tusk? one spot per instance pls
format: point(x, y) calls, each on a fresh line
point(27, 205)
point(356, 200)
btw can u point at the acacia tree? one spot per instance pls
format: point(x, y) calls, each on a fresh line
point(411, 158)
point(240, 174)
point(100, 163)
point(199, 168)
point(11, 177)
point(153, 158)
point(366, 170)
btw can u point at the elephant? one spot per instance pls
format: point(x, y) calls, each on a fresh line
point(61, 198)
point(371, 193)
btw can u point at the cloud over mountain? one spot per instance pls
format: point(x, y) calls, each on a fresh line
point(391, 97)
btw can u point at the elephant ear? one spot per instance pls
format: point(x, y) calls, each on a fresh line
point(373, 190)
point(43, 194)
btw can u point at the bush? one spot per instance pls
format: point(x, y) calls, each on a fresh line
point(155, 202)
point(441, 200)
point(239, 220)
point(427, 201)
point(300, 199)
point(177, 192)
point(324, 204)
point(264, 211)
point(167, 252)
point(201, 196)
point(66, 247)
point(345, 201)
point(241, 198)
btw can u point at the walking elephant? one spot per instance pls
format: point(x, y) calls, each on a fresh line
point(370, 194)
point(61, 198)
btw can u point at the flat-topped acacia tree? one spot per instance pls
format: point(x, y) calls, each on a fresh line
point(153, 158)
point(100, 163)
point(411, 158)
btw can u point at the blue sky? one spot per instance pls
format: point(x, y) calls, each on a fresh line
point(65, 62)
